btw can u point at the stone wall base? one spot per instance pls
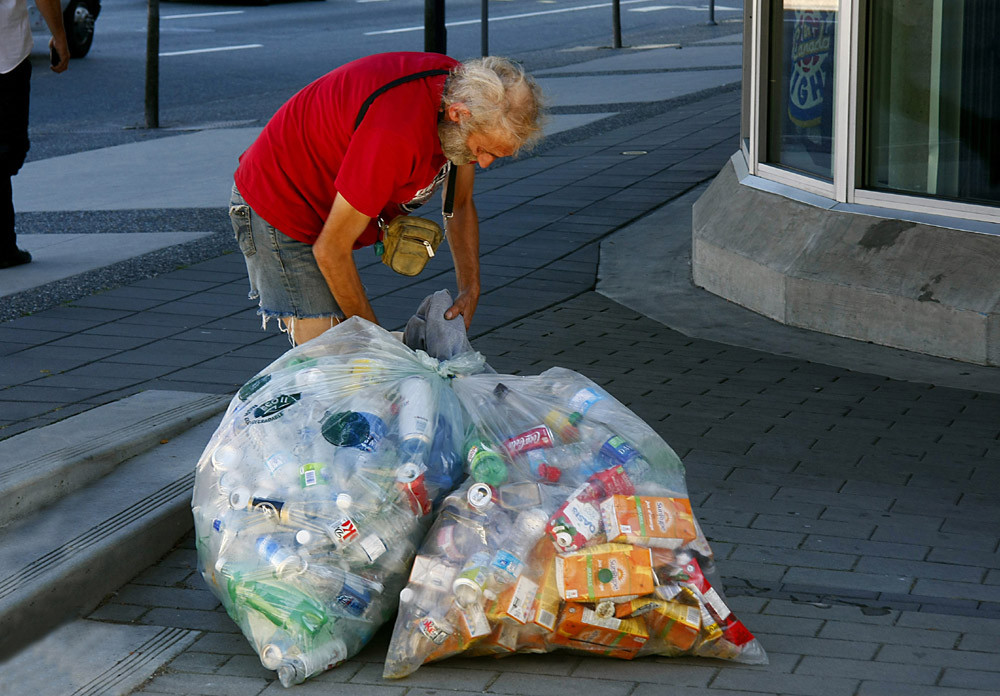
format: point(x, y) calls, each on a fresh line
point(918, 287)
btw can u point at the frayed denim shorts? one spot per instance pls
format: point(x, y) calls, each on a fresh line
point(284, 276)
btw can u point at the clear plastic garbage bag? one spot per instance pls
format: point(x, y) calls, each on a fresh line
point(574, 531)
point(315, 490)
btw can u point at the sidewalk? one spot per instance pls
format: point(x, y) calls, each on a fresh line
point(851, 513)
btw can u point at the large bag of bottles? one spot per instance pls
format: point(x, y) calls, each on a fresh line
point(574, 531)
point(315, 490)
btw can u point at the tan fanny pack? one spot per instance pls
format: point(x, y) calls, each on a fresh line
point(409, 242)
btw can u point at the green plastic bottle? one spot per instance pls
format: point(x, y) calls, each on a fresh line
point(282, 604)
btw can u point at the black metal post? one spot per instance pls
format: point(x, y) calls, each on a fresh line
point(616, 20)
point(484, 31)
point(435, 36)
point(153, 65)
point(711, 13)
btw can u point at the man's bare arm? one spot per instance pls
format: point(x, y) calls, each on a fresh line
point(333, 251)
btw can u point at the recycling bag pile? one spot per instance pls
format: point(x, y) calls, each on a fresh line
point(572, 528)
point(317, 487)
point(573, 531)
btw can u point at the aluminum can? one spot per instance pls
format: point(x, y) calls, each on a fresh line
point(410, 481)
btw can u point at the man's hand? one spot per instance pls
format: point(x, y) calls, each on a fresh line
point(465, 304)
point(51, 12)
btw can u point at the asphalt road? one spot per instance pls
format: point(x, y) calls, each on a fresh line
point(235, 64)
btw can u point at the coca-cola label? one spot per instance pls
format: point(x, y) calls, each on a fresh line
point(345, 530)
point(538, 437)
point(432, 630)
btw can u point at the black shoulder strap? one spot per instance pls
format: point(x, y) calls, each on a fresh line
point(449, 200)
point(395, 83)
point(449, 196)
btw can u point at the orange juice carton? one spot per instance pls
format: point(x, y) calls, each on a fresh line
point(515, 604)
point(580, 627)
point(648, 520)
point(548, 600)
point(674, 623)
point(504, 638)
point(606, 571)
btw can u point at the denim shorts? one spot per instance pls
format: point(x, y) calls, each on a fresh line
point(284, 276)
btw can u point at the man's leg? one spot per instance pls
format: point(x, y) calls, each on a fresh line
point(14, 91)
point(302, 330)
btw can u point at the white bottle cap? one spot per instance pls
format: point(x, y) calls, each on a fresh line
point(406, 595)
point(239, 499)
point(344, 501)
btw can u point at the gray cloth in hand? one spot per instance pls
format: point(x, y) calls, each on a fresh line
point(429, 331)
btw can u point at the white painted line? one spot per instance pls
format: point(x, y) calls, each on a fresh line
point(211, 50)
point(203, 14)
point(507, 17)
point(656, 8)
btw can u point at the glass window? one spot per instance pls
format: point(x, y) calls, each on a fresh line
point(802, 38)
point(933, 107)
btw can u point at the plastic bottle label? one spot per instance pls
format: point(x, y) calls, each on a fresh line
point(583, 400)
point(618, 450)
point(508, 564)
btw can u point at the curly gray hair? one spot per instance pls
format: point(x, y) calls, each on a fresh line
point(502, 98)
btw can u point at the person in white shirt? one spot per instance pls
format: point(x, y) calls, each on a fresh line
point(15, 82)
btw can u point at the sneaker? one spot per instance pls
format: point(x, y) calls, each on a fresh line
point(15, 258)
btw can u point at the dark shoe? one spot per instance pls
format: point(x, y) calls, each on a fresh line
point(15, 258)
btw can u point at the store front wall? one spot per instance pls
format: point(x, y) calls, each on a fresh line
point(865, 113)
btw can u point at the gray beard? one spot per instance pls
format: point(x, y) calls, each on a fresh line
point(453, 137)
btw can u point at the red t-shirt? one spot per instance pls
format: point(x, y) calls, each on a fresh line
point(309, 151)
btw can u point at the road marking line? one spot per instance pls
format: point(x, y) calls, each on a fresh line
point(211, 50)
point(203, 14)
point(655, 8)
point(507, 17)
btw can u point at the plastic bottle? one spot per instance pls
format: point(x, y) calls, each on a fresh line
point(484, 462)
point(591, 402)
point(471, 583)
point(295, 668)
point(524, 429)
point(511, 558)
point(363, 424)
point(574, 461)
point(614, 450)
point(347, 593)
point(416, 417)
point(280, 557)
point(421, 613)
point(281, 603)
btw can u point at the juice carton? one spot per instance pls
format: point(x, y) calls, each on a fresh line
point(580, 627)
point(548, 600)
point(648, 520)
point(515, 604)
point(674, 623)
point(606, 571)
point(576, 522)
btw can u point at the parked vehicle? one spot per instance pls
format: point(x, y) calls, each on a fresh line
point(79, 17)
